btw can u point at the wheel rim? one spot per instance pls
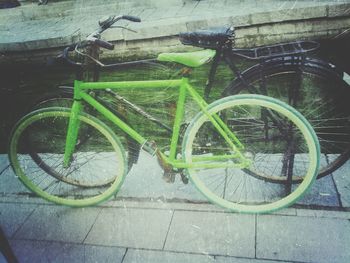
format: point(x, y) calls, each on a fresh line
point(209, 189)
point(59, 191)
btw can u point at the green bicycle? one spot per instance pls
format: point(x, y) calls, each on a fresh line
point(242, 152)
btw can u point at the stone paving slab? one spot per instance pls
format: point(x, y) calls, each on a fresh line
point(57, 223)
point(9, 182)
point(212, 233)
point(11, 185)
point(323, 213)
point(177, 234)
point(151, 256)
point(323, 192)
point(294, 238)
point(4, 163)
point(342, 180)
point(145, 180)
point(43, 251)
point(244, 260)
point(136, 228)
point(13, 216)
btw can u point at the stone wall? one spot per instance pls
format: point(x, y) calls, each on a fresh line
point(32, 33)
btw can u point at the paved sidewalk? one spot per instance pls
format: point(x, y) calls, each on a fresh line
point(151, 221)
point(130, 231)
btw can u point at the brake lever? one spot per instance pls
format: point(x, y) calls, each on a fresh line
point(123, 27)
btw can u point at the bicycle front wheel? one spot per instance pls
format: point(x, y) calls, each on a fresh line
point(278, 145)
point(98, 165)
point(65, 99)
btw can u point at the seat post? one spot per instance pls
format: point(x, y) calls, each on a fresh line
point(212, 72)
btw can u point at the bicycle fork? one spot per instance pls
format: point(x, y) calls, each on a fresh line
point(72, 133)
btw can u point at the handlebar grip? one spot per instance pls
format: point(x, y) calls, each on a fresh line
point(132, 18)
point(104, 44)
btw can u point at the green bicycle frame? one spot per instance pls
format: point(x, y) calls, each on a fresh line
point(81, 90)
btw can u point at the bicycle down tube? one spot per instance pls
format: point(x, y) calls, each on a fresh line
point(80, 93)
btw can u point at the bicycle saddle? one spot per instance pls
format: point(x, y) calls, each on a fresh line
point(191, 59)
point(210, 38)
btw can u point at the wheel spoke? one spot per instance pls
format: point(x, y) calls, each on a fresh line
point(278, 153)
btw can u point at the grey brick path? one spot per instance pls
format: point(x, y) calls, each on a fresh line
point(212, 233)
point(58, 224)
point(312, 240)
point(137, 228)
point(176, 233)
point(151, 221)
point(343, 182)
point(43, 251)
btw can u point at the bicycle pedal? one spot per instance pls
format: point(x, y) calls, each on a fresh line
point(184, 178)
point(169, 177)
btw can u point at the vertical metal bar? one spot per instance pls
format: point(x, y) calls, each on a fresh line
point(288, 166)
point(211, 76)
point(180, 108)
point(228, 58)
point(73, 126)
point(294, 91)
point(217, 122)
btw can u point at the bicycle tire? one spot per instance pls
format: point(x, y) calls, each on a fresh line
point(101, 164)
point(328, 92)
point(293, 145)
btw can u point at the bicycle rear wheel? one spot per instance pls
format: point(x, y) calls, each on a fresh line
point(98, 165)
point(289, 150)
point(317, 92)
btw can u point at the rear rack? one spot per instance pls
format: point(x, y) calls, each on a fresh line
point(277, 50)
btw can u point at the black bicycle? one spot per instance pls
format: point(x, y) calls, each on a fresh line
point(314, 87)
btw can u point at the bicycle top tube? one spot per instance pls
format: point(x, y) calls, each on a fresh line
point(129, 84)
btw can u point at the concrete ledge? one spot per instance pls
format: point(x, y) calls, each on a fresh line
point(61, 23)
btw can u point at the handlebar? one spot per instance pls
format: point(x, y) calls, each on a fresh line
point(131, 18)
point(94, 38)
point(107, 22)
point(65, 56)
point(104, 44)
